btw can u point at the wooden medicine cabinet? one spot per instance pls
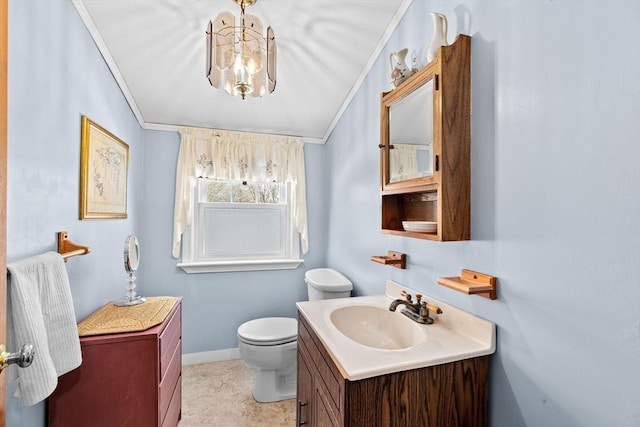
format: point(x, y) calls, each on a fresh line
point(425, 148)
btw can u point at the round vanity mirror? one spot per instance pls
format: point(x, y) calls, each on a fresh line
point(131, 261)
point(131, 254)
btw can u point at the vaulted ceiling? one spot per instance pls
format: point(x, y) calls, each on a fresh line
point(156, 51)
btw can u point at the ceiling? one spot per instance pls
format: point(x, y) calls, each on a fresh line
point(156, 52)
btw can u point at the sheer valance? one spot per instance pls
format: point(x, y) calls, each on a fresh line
point(239, 156)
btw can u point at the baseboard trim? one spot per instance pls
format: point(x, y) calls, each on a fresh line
point(210, 356)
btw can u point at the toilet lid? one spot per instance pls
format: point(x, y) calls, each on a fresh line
point(269, 331)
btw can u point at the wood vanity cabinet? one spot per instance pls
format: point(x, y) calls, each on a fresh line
point(451, 394)
point(128, 379)
point(438, 99)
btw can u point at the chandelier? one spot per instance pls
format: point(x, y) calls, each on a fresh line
point(239, 59)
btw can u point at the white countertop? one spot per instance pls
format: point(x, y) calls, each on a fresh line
point(455, 335)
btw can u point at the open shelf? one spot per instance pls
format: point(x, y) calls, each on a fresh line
point(419, 204)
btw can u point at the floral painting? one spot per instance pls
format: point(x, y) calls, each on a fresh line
point(103, 173)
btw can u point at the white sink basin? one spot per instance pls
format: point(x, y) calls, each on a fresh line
point(365, 339)
point(376, 327)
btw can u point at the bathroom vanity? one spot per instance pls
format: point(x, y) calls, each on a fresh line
point(439, 378)
point(126, 379)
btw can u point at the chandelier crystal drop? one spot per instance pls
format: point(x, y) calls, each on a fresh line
point(239, 59)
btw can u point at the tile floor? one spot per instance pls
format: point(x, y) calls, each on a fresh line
point(219, 395)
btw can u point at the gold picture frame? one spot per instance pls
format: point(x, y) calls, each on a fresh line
point(104, 163)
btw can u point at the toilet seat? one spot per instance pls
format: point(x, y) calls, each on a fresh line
point(269, 331)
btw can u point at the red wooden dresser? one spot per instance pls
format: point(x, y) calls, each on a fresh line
point(127, 379)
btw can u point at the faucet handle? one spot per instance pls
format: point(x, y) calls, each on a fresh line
point(406, 295)
point(434, 308)
point(419, 297)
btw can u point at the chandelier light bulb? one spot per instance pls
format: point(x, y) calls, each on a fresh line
point(239, 69)
point(251, 66)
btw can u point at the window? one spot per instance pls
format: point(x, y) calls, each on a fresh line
point(217, 163)
point(240, 226)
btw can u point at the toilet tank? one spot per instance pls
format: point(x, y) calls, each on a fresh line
point(327, 283)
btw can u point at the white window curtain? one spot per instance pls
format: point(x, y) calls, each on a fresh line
point(239, 156)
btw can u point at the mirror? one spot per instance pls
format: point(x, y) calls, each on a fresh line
point(411, 135)
point(131, 254)
point(131, 261)
point(410, 131)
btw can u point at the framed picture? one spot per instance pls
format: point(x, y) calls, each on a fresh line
point(103, 173)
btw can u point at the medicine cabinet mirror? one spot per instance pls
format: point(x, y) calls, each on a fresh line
point(411, 135)
point(407, 139)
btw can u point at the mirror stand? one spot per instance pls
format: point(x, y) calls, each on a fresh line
point(132, 298)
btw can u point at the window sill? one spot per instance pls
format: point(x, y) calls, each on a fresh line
point(244, 265)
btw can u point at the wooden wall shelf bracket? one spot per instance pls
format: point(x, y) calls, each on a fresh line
point(472, 283)
point(394, 259)
point(69, 249)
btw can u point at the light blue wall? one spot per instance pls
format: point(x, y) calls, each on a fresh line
point(56, 74)
point(555, 202)
point(216, 304)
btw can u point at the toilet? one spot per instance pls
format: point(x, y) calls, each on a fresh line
point(269, 344)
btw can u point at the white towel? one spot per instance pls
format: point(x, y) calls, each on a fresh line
point(40, 312)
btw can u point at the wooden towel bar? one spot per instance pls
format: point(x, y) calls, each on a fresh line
point(69, 249)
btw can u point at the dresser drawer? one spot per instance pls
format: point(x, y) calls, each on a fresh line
point(168, 383)
point(174, 409)
point(169, 340)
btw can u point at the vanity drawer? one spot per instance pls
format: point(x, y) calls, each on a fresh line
point(326, 415)
point(168, 383)
point(331, 382)
point(306, 339)
point(169, 340)
point(327, 371)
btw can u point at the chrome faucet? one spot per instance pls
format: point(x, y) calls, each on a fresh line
point(417, 311)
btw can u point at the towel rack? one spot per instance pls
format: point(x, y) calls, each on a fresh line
point(69, 249)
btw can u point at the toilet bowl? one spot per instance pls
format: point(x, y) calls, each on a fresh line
point(269, 345)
